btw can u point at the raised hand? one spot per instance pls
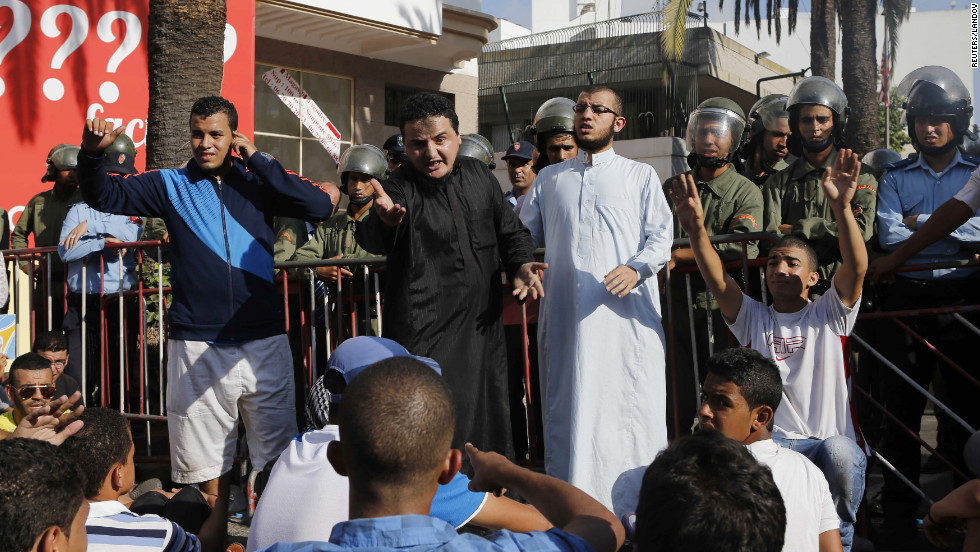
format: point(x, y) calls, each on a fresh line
point(50, 422)
point(241, 144)
point(687, 203)
point(390, 212)
point(840, 182)
point(527, 282)
point(71, 240)
point(97, 135)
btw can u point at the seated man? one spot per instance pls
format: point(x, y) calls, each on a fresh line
point(739, 398)
point(42, 507)
point(103, 451)
point(706, 493)
point(807, 340)
point(305, 497)
point(54, 347)
point(397, 455)
point(30, 386)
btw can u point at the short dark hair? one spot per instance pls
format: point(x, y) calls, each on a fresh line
point(39, 488)
point(800, 243)
point(103, 442)
point(707, 492)
point(209, 105)
point(50, 341)
point(396, 424)
point(617, 102)
point(29, 362)
point(424, 105)
point(756, 376)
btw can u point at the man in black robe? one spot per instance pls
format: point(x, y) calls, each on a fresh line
point(446, 229)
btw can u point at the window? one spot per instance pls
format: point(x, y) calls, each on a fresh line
point(395, 96)
point(280, 133)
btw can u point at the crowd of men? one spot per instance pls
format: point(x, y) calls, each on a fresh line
point(409, 436)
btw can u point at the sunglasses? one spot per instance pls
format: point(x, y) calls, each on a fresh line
point(598, 109)
point(26, 392)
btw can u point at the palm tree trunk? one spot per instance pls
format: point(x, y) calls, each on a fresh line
point(185, 62)
point(823, 39)
point(859, 73)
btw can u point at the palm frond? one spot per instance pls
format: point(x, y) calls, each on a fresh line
point(895, 12)
point(675, 29)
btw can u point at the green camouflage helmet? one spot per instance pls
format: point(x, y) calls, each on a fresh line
point(64, 164)
point(555, 115)
point(479, 148)
point(122, 144)
point(364, 159)
point(727, 116)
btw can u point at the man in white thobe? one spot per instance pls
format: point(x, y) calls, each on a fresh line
point(600, 339)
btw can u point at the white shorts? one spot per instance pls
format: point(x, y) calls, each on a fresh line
point(208, 385)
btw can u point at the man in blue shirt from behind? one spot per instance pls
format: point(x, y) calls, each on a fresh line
point(396, 429)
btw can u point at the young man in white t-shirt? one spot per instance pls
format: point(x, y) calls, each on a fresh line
point(739, 398)
point(807, 340)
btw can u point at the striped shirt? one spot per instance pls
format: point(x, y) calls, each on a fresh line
point(112, 527)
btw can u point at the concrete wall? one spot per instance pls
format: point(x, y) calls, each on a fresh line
point(370, 77)
point(667, 155)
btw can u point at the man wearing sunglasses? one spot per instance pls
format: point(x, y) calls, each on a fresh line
point(600, 337)
point(30, 386)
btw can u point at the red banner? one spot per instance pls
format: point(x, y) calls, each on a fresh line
point(64, 61)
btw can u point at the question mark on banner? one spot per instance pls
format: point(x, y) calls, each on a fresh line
point(19, 27)
point(108, 91)
point(53, 88)
point(231, 43)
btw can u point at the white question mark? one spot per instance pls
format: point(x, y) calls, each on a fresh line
point(108, 91)
point(53, 89)
point(18, 32)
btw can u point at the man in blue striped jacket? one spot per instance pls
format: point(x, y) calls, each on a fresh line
point(226, 319)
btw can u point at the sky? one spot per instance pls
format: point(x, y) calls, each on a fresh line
point(519, 11)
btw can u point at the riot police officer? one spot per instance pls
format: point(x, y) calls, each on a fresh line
point(554, 132)
point(479, 148)
point(765, 151)
point(732, 205)
point(880, 157)
point(938, 110)
point(795, 203)
point(394, 148)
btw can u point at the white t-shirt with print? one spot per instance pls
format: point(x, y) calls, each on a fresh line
point(809, 506)
point(808, 347)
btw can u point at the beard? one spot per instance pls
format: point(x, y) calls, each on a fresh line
point(597, 142)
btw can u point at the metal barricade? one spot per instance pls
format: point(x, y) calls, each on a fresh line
point(318, 316)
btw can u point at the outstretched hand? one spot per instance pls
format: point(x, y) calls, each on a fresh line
point(840, 182)
point(527, 282)
point(97, 135)
point(390, 212)
point(487, 469)
point(882, 269)
point(687, 203)
point(50, 423)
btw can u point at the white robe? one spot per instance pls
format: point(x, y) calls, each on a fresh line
point(601, 357)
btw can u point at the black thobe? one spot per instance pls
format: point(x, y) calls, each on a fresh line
point(443, 292)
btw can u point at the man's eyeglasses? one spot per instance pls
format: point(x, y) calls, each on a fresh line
point(26, 392)
point(598, 109)
point(59, 363)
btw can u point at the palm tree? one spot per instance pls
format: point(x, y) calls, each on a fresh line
point(823, 39)
point(185, 62)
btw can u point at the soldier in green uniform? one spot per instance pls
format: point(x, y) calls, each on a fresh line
point(765, 151)
point(334, 239)
point(554, 131)
point(795, 204)
point(43, 216)
point(732, 205)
